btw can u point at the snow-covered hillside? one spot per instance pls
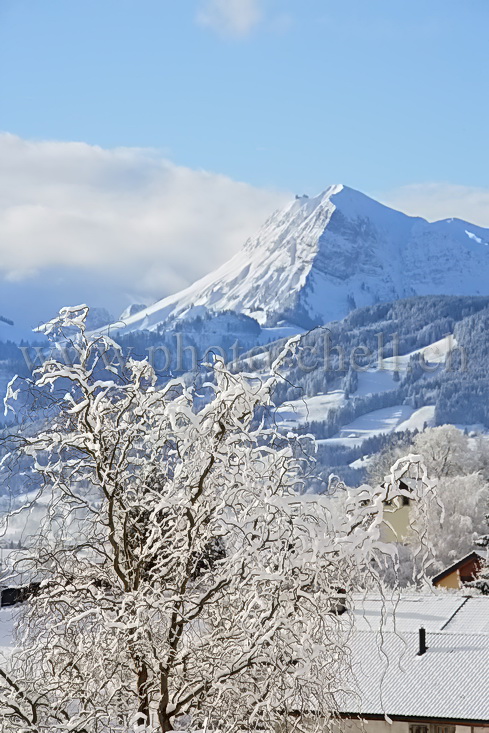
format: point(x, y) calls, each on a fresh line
point(321, 257)
point(374, 381)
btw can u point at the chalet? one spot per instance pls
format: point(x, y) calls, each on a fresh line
point(461, 572)
point(419, 665)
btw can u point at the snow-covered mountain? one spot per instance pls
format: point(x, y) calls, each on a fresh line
point(321, 257)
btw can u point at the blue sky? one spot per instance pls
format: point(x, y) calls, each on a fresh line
point(374, 94)
point(195, 118)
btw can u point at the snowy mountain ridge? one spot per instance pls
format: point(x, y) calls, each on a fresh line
point(319, 258)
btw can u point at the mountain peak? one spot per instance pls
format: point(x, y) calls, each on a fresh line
point(319, 257)
point(334, 190)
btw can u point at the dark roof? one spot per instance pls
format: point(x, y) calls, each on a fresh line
point(474, 555)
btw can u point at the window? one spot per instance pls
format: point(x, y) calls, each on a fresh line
point(406, 501)
point(433, 728)
point(419, 728)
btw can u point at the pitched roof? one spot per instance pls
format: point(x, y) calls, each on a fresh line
point(471, 618)
point(404, 613)
point(474, 555)
point(448, 682)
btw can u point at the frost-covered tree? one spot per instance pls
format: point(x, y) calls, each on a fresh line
point(459, 465)
point(185, 580)
point(481, 583)
point(454, 533)
point(447, 452)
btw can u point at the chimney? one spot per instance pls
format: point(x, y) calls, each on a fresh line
point(422, 642)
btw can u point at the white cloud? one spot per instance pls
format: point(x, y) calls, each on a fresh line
point(441, 201)
point(231, 17)
point(76, 219)
point(79, 222)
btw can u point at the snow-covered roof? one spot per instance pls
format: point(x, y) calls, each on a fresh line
point(449, 681)
point(409, 612)
point(471, 618)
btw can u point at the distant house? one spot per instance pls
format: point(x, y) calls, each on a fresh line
point(395, 527)
point(419, 665)
point(397, 511)
point(461, 572)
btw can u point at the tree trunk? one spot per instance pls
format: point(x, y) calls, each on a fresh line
point(164, 721)
point(143, 691)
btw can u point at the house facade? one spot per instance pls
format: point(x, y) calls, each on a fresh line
point(409, 725)
point(395, 527)
point(461, 572)
point(397, 513)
